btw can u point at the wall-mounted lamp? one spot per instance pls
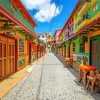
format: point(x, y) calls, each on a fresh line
point(10, 33)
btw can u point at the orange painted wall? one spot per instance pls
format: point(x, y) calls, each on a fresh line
point(87, 45)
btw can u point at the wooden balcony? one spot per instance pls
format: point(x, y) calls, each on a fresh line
point(84, 23)
point(84, 8)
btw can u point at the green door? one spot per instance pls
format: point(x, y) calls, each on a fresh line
point(95, 52)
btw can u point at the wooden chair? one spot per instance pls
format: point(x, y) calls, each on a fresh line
point(69, 62)
point(92, 81)
point(83, 77)
point(98, 82)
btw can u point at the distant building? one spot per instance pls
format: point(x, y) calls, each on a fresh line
point(45, 37)
point(56, 40)
point(56, 36)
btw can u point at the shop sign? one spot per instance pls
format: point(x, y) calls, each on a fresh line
point(21, 61)
point(74, 57)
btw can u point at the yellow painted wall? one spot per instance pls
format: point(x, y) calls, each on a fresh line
point(26, 51)
point(19, 35)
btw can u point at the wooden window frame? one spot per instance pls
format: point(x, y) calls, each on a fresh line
point(82, 47)
point(74, 47)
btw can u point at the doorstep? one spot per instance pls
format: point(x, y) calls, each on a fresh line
point(7, 84)
point(61, 57)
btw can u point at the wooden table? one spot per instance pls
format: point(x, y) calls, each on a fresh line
point(84, 70)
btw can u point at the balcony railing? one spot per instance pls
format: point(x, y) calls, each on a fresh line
point(68, 36)
point(82, 4)
point(87, 16)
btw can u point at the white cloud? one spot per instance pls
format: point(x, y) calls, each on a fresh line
point(45, 9)
point(35, 4)
point(47, 13)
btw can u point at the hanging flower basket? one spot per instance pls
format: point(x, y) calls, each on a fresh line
point(83, 39)
point(69, 42)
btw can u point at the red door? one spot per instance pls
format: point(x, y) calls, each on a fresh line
point(68, 51)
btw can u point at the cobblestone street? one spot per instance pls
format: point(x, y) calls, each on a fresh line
point(50, 79)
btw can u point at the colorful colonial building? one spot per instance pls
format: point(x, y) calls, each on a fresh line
point(56, 40)
point(45, 37)
point(80, 37)
point(19, 45)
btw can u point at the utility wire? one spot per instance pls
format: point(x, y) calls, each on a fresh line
point(49, 11)
point(58, 1)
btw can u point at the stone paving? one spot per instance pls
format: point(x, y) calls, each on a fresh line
point(50, 80)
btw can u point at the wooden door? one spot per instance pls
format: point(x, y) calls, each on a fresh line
point(3, 56)
point(4, 45)
point(1, 60)
point(68, 51)
point(11, 55)
point(7, 56)
point(62, 51)
point(95, 52)
point(30, 52)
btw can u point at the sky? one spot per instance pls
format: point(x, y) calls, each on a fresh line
point(49, 15)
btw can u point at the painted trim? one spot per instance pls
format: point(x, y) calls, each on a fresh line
point(85, 28)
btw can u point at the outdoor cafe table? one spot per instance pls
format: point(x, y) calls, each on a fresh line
point(84, 70)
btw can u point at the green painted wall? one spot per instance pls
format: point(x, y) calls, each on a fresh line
point(77, 45)
point(79, 55)
point(17, 14)
point(76, 41)
point(90, 11)
point(71, 48)
point(79, 58)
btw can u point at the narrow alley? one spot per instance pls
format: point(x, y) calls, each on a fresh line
point(50, 79)
point(49, 49)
